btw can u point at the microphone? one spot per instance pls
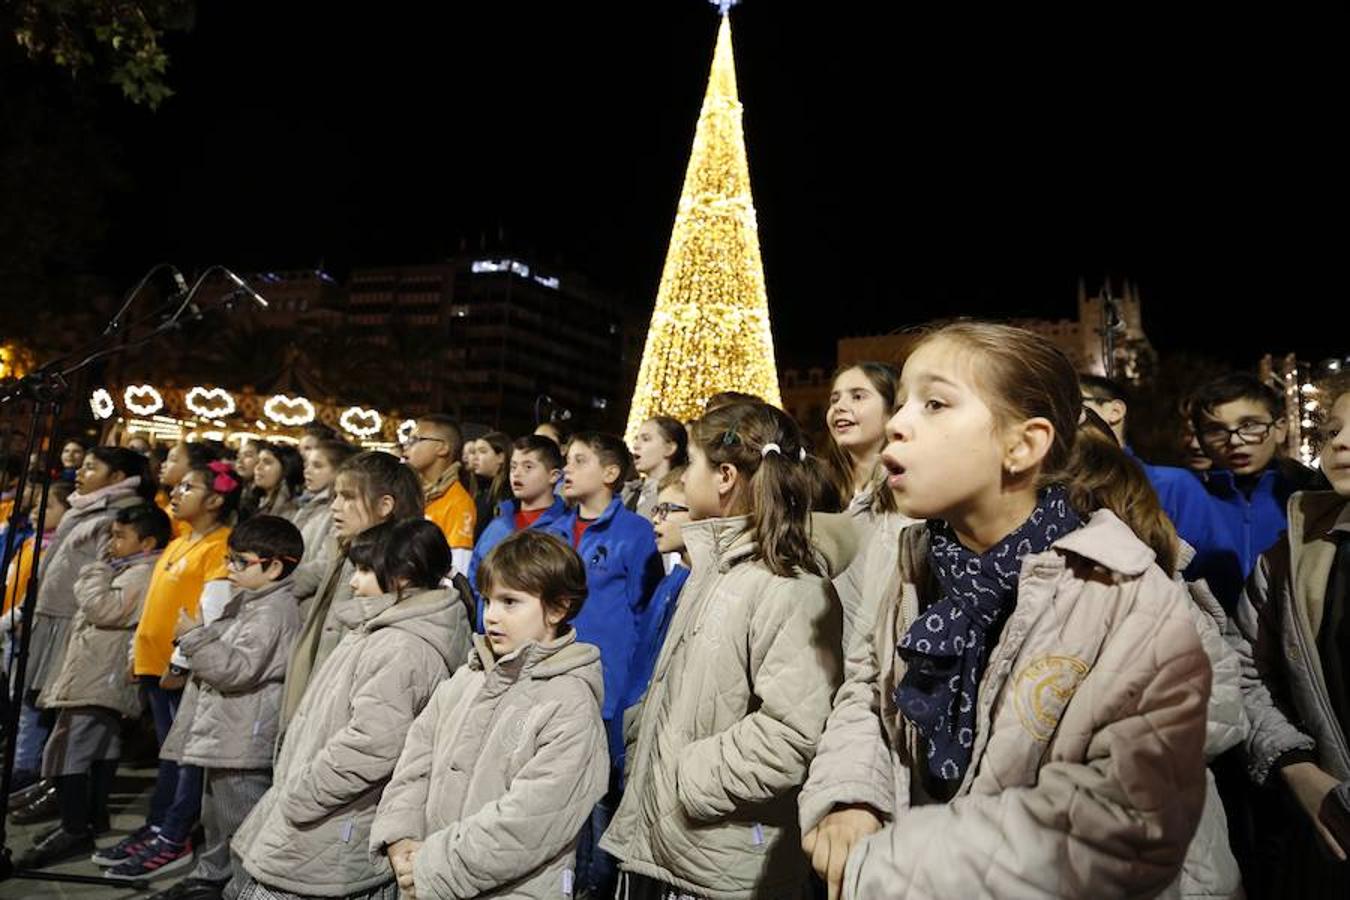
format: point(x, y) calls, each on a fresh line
point(244, 288)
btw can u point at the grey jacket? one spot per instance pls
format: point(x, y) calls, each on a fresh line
point(229, 713)
point(1278, 617)
point(310, 833)
point(499, 772)
point(314, 518)
point(1210, 871)
point(79, 540)
point(94, 669)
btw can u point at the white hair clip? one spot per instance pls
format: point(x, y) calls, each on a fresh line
point(770, 448)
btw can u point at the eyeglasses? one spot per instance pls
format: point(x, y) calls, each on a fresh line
point(417, 439)
point(1247, 433)
point(662, 511)
point(237, 563)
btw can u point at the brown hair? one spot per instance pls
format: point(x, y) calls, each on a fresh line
point(500, 442)
point(1022, 375)
point(727, 398)
point(612, 451)
point(776, 489)
point(1104, 477)
point(671, 478)
point(543, 447)
point(673, 430)
point(537, 563)
point(377, 474)
point(885, 379)
point(335, 451)
point(60, 491)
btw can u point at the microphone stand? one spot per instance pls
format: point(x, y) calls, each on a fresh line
point(47, 389)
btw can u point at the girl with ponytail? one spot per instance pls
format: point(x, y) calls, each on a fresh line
point(744, 679)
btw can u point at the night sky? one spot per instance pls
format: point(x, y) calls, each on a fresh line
point(906, 164)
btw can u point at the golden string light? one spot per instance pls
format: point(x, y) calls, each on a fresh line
point(710, 329)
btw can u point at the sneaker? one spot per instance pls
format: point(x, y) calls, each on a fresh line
point(126, 849)
point(158, 857)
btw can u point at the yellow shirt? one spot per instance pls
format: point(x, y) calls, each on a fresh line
point(176, 584)
point(454, 513)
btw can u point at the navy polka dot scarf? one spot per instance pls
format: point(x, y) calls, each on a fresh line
point(946, 649)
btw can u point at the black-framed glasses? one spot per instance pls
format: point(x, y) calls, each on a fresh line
point(662, 511)
point(1247, 433)
point(417, 439)
point(237, 563)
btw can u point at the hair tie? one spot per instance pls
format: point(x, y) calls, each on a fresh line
point(770, 448)
point(225, 480)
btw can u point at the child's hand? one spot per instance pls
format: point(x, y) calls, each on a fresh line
point(829, 843)
point(1310, 786)
point(401, 856)
point(185, 624)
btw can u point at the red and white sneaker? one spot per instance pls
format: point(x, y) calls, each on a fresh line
point(157, 857)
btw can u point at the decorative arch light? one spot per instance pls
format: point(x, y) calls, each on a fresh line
point(290, 411)
point(209, 403)
point(143, 399)
point(405, 430)
point(101, 404)
point(362, 423)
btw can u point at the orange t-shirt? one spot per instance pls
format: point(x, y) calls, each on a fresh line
point(180, 574)
point(454, 513)
point(20, 570)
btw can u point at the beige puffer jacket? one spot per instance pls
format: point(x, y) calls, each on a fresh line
point(879, 535)
point(310, 832)
point(80, 539)
point(229, 713)
point(1088, 768)
point(314, 518)
point(729, 724)
point(108, 605)
point(1211, 870)
point(1278, 617)
point(499, 773)
point(320, 629)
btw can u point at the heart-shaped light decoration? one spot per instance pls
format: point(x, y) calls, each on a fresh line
point(143, 399)
point(405, 430)
point(292, 411)
point(209, 403)
point(360, 422)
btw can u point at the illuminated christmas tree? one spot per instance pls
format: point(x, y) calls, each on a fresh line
point(710, 330)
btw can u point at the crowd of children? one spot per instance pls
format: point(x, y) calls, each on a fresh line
point(972, 646)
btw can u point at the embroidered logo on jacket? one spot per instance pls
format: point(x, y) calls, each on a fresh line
point(1043, 689)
